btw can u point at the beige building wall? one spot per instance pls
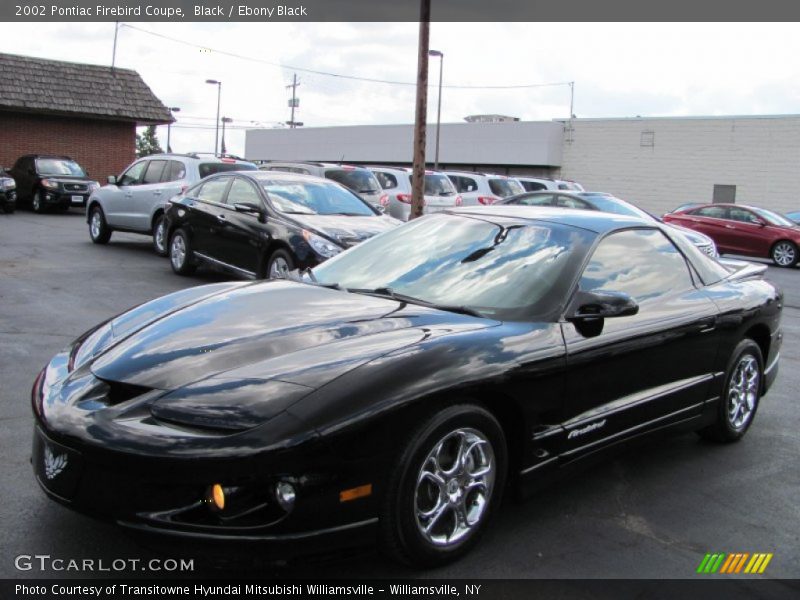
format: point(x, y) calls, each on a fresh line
point(659, 163)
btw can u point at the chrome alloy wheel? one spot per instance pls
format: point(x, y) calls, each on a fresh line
point(177, 253)
point(743, 391)
point(454, 487)
point(784, 254)
point(160, 236)
point(279, 268)
point(96, 224)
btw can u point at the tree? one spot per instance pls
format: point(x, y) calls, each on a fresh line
point(147, 142)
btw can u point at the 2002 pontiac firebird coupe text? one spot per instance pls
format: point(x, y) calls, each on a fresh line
point(397, 389)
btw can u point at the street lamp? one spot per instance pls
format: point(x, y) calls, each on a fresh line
point(223, 149)
point(439, 109)
point(172, 109)
point(219, 94)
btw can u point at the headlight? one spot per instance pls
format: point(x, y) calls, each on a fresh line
point(320, 245)
point(7, 183)
point(93, 185)
point(49, 184)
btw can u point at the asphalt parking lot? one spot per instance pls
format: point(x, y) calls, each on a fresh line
point(651, 512)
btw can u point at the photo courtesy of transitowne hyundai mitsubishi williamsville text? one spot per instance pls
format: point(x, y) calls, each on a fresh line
point(199, 590)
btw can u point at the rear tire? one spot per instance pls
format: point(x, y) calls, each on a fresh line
point(445, 485)
point(99, 230)
point(784, 254)
point(737, 407)
point(181, 256)
point(160, 245)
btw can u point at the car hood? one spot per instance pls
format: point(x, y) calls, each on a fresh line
point(346, 231)
point(293, 332)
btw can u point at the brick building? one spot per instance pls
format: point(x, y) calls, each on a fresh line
point(88, 112)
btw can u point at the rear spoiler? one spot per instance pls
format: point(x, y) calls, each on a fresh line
point(742, 270)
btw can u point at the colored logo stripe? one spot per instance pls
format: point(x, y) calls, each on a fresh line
point(734, 563)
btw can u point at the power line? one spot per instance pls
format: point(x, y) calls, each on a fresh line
point(338, 75)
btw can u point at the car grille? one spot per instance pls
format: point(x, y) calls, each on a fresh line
point(76, 187)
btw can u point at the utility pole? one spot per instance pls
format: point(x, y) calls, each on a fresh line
point(294, 102)
point(114, 51)
point(418, 171)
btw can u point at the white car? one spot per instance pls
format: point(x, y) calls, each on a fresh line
point(483, 188)
point(440, 193)
point(135, 201)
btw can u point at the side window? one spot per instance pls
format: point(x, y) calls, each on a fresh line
point(642, 263)
point(537, 200)
point(242, 192)
point(133, 176)
point(570, 202)
point(715, 212)
point(387, 180)
point(213, 190)
point(533, 186)
point(465, 184)
point(153, 172)
point(175, 171)
point(742, 215)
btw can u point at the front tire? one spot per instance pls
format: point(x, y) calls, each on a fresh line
point(181, 255)
point(99, 230)
point(444, 487)
point(784, 254)
point(739, 402)
point(279, 264)
point(160, 236)
point(37, 204)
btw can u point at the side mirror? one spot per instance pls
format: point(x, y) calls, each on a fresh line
point(250, 209)
point(589, 310)
point(112, 179)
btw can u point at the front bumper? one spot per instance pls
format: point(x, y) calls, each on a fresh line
point(63, 198)
point(8, 198)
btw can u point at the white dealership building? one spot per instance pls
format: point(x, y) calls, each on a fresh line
point(656, 162)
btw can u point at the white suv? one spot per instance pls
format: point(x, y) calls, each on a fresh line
point(440, 194)
point(134, 202)
point(535, 184)
point(483, 188)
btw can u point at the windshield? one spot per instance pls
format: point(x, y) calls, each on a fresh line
point(207, 169)
point(505, 187)
point(311, 198)
point(512, 270)
point(610, 204)
point(360, 181)
point(436, 184)
point(59, 166)
point(773, 218)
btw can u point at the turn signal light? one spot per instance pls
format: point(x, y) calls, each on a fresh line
point(216, 496)
point(355, 493)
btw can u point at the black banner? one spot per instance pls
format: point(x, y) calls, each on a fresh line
point(391, 10)
point(104, 589)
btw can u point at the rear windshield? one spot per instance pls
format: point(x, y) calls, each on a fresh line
point(360, 181)
point(437, 184)
point(207, 169)
point(505, 187)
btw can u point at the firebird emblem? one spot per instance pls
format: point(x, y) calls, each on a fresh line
point(53, 465)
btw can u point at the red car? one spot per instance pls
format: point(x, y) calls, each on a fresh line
point(745, 230)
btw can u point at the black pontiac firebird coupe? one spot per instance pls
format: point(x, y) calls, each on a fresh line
point(397, 389)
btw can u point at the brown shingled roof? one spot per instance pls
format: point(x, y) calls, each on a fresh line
point(38, 85)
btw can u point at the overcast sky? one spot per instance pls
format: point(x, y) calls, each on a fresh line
point(619, 70)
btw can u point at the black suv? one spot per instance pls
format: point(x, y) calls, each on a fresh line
point(8, 193)
point(44, 181)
